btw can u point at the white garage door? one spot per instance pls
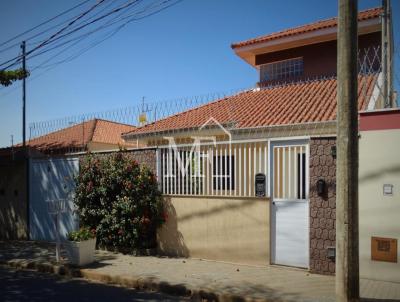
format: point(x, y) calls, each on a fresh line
point(291, 233)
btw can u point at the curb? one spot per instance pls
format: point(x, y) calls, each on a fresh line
point(146, 284)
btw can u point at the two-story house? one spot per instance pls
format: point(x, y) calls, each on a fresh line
point(251, 178)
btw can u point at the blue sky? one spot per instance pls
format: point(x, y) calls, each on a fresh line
point(182, 51)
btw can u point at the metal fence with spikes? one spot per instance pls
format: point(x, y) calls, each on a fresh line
point(369, 61)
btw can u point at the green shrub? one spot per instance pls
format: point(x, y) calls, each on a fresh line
point(120, 199)
point(81, 235)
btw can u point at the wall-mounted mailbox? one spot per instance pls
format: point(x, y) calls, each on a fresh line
point(331, 253)
point(320, 186)
point(260, 185)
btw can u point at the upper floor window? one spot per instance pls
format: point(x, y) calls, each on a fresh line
point(281, 70)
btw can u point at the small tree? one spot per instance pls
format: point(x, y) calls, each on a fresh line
point(120, 199)
point(9, 76)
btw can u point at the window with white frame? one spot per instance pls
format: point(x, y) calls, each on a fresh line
point(223, 173)
point(281, 70)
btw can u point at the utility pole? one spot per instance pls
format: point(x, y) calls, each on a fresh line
point(347, 258)
point(26, 154)
point(23, 46)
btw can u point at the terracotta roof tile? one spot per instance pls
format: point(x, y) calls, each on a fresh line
point(295, 103)
point(79, 135)
point(110, 132)
point(328, 23)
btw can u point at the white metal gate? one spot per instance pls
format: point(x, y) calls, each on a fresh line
point(290, 208)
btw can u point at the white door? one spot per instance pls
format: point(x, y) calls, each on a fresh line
point(290, 206)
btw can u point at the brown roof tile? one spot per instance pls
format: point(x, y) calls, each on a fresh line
point(79, 135)
point(295, 103)
point(328, 23)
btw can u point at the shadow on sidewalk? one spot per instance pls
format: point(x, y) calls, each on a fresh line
point(24, 286)
point(38, 251)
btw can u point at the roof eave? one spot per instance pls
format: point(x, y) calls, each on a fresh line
point(249, 52)
point(166, 132)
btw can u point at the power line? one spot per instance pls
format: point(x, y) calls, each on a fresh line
point(85, 25)
point(107, 24)
point(54, 38)
point(18, 58)
point(105, 37)
point(53, 27)
point(43, 23)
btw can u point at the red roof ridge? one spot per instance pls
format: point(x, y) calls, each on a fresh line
point(312, 26)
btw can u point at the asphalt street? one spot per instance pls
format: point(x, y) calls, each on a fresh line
point(21, 286)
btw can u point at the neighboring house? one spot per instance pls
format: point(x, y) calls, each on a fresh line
point(25, 189)
point(283, 134)
point(92, 135)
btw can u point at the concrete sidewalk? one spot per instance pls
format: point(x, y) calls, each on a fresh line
point(199, 279)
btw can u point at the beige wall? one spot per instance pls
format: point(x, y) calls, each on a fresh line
point(379, 214)
point(225, 229)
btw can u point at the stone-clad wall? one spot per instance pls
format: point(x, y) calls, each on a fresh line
point(322, 208)
point(146, 157)
point(142, 156)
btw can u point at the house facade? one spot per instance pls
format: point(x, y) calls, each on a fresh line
point(92, 135)
point(251, 178)
point(44, 171)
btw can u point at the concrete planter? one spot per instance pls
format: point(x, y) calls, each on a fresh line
point(80, 252)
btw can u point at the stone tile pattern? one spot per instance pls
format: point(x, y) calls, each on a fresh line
point(146, 157)
point(322, 207)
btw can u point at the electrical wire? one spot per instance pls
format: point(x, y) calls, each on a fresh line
point(112, 33)
point(104, 25)
point(105, 37)
point(53, 36)
point(43, 23)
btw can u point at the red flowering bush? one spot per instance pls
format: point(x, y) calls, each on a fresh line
point(120, 199)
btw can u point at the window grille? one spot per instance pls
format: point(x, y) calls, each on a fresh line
point(281, 70)
point(215, 170)
point(223, 173)
point(290, 172)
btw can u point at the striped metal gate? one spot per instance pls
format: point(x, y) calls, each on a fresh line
point(51, 180)
point(290, 205)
